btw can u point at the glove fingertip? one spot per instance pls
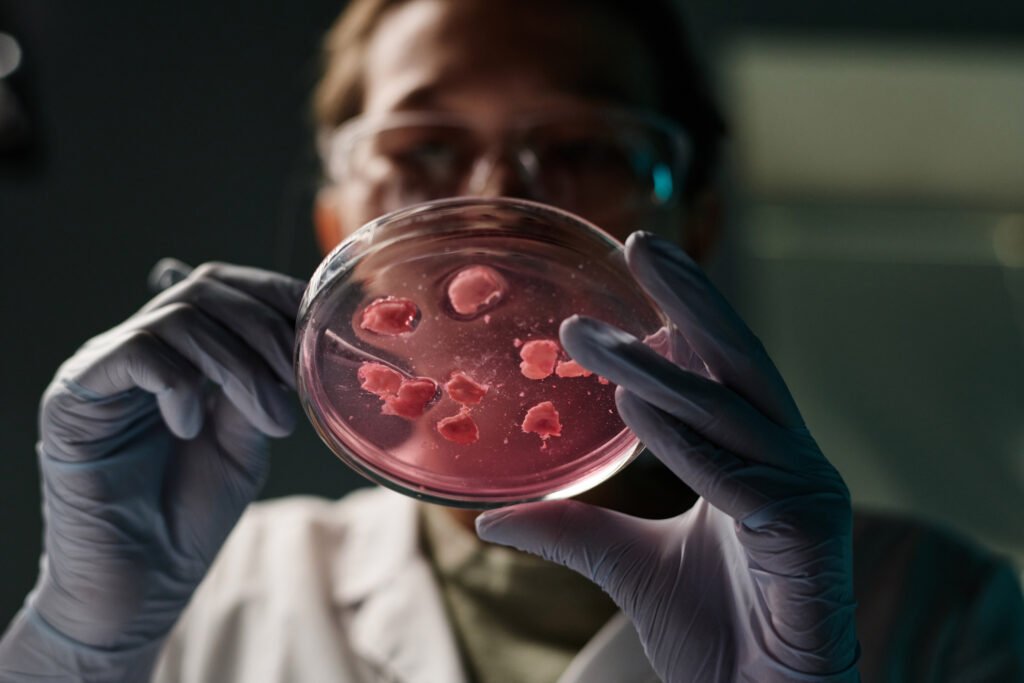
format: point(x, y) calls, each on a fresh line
point(567, 532)
point(592, 342)
point(643, 245)
point(538, 527)
point(570, 327)
point(285, 419)
point(488, 524)
point(267, 406)
point(527, 526)
point(630, 406)
point(638, 239)
point(182, 412)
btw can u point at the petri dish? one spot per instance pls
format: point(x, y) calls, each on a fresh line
point(427, 354)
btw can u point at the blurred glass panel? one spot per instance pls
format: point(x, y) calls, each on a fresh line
point(879, 120)
point(908, 363)
point(880, 228)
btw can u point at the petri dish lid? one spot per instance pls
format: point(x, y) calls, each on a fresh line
point(427, 354)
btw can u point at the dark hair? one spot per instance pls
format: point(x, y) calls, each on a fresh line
point(685, 93)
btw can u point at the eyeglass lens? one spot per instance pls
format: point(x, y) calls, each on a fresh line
point(588, 166)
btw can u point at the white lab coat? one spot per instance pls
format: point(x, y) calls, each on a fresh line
point(313, 591)
point(309, 591)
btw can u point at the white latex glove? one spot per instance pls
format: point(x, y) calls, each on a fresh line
point(153, 441)
point(755, 582)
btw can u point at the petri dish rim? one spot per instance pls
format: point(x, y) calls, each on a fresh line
point(402, 225)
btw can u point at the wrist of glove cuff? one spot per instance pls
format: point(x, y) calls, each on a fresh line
point(33, 651)
point(111, 578)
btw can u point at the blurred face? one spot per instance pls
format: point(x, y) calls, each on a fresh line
point(487, 92)
point(508, 70)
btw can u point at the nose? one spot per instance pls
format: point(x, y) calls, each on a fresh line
point(500, 174)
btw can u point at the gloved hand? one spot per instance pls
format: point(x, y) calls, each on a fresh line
point(153, 441)
point(754, 583)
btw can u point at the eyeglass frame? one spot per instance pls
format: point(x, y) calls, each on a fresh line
point(338, 143)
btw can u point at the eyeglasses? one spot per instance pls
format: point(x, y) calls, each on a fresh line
point(596, 163)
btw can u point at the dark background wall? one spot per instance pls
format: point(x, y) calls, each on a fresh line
point(180, 129)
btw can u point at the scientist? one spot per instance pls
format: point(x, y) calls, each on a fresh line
point(734, 557)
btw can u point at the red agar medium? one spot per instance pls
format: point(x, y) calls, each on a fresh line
point(433, 364)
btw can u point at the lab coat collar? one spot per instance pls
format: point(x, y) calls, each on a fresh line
point(396, 616)
point(385, 530)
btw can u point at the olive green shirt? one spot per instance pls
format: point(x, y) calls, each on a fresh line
point(517, 618)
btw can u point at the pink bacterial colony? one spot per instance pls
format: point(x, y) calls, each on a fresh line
point(570, 368)
point(390, 316)
point(404, 397)
point(471, 291)
point(379, 379)
point(459, 428)
point(475, 289)
point(464, 390)
point(539, 358)
point(542, 419)
point(412, 398)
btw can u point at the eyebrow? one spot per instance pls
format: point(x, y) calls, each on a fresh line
point(427, 96)
point(423, 97)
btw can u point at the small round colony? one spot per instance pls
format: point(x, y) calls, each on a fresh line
point(539, 358)
point(475, 289)
point(390, 316)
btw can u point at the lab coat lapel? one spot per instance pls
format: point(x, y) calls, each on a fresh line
point(391, 601)
point(396, 618)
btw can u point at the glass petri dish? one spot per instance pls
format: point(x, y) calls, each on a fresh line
point(427, 354)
